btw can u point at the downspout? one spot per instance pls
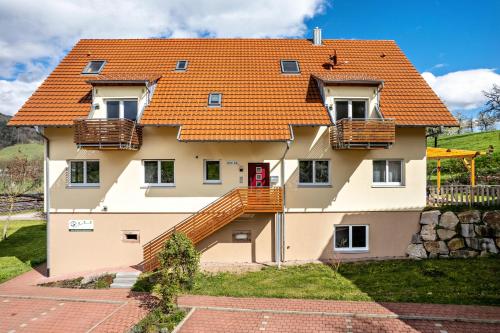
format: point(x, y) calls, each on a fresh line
point(46, 190)
point(282, 219)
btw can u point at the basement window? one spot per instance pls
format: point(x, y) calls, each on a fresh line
point(94, 67)
point(242, 236)
point(290, 67)
point(351, 238)
point(181, 65)
point(215, 99)
point(130, 236)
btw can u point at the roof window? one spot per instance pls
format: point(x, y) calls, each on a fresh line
point(94, 67)
point(215, 99)
point(290, 66)
point(181, 65)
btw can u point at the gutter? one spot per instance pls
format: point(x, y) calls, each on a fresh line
point(46, 190)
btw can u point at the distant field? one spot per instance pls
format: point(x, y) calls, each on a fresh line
point(471, 141)
point(29, 150)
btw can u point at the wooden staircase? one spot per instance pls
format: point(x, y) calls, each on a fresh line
point(215, 216)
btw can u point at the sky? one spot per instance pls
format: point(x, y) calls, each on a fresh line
point(454, 44)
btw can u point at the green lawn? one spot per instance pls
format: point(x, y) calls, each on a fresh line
point(453, 281)
point(25, 247)
point(29, 150)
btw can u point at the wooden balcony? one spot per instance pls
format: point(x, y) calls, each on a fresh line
point(116, 134)
point(216, 215)
point(363, 133)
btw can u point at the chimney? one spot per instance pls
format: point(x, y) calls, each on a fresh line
point(317, 36)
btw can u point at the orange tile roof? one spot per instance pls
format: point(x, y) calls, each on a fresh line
point(258, 101)
point(124, 77)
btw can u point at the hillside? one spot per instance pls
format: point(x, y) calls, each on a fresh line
point(453, 171)
point(472, 141)
point(11, 135)
point(28, 150)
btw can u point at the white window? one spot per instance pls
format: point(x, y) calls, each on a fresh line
point(388, 172)
point(215, 99)
point(211, 171)
point(290, 66)
point(84, 173)
point(347, 108)
point(121, 108)
point(314, 172)
point(181, 65)
point(351, 238)
point(94, 67)
point(159, 172)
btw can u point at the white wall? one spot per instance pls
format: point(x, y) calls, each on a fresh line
point(122, 189)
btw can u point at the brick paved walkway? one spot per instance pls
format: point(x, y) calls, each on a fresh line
point(226, 314)
point(28, 308)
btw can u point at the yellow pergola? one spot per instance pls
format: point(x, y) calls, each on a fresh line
point(468, 157)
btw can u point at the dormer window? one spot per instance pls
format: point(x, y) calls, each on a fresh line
point(215, 99)
point(181, 65)
point(94, 67)
point(290, 67)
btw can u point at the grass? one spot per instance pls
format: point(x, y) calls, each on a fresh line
point(453, 281)
point(156, 321)
point(471, 141)
point(24, 248)
point(28, 150)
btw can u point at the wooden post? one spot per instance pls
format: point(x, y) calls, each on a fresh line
point(473, 171)
point(439, 175)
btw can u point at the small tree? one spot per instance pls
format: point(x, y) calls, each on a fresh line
point(179, 264)
point(18, 177)
point(485, 120)
point(492, 106)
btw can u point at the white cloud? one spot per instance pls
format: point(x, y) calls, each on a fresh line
point(463, 90)
point(35, 32)
point(14, 93)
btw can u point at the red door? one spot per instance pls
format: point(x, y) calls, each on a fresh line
point(258, 175)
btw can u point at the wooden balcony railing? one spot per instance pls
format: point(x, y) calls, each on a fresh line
point(463, 195)
point(370, 133)
point(216, 215)
point(107, 134)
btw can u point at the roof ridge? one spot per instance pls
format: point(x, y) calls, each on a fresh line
point(233, 38)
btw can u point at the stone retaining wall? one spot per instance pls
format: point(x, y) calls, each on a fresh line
point(462, 235)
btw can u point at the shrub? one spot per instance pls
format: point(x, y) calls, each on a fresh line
point(179, 262)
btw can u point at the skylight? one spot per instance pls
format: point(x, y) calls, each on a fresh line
point(181, 65)
point(290, 66)
point(94, 67)
point(215, 99)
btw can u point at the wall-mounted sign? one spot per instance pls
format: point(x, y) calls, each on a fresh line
point(81, 225)
point(232, 162)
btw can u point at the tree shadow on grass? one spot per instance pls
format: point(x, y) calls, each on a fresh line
point(28, 244)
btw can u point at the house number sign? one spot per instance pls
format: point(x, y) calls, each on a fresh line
point(81, 225)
